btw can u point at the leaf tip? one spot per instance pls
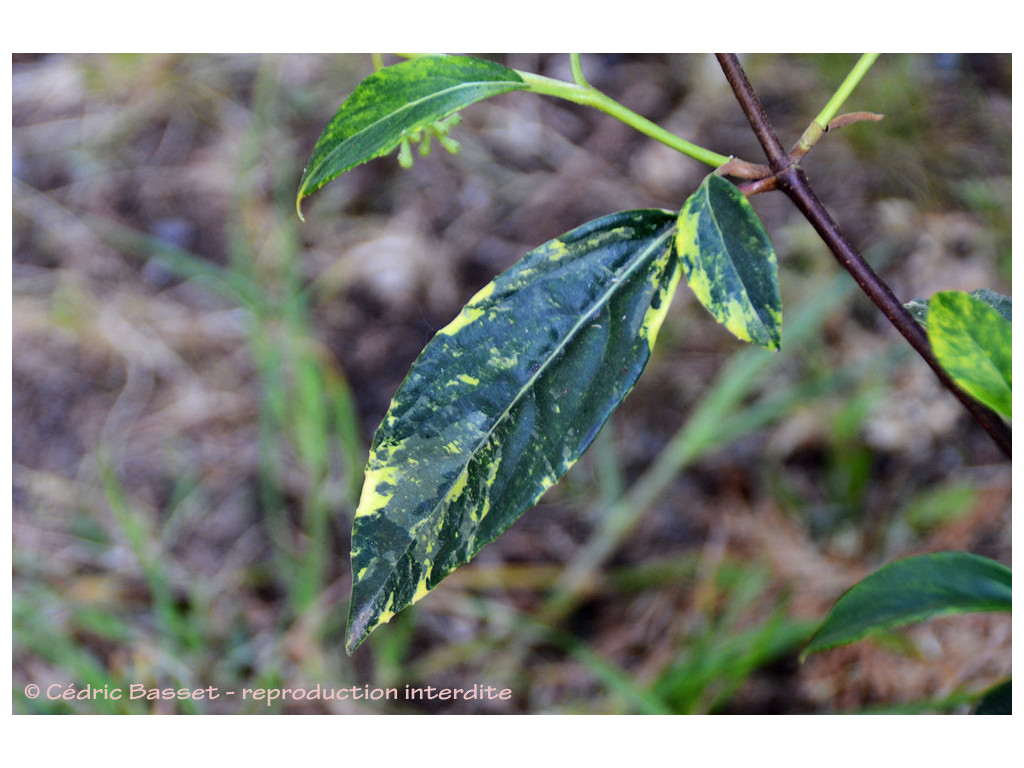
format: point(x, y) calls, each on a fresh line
point(364, 617)
point(355, 636)
point(351, 644)
point(813, 646)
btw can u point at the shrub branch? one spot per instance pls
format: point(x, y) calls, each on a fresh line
point(791, 179)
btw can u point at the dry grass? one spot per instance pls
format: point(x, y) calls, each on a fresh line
point(197, 376)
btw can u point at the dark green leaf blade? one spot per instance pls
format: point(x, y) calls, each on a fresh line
point(912, 590)
point(396, 101)
point(973, 342)
point(997, 700)
point(730, 263)
point(503, 401)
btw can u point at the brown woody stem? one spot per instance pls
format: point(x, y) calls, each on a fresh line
point(792, 180)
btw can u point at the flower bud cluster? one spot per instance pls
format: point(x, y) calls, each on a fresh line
point(438, 129)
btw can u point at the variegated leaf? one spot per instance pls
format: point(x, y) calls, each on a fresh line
point(391, 105)
point(973, 342)
point(729, 262)
point(502, 402)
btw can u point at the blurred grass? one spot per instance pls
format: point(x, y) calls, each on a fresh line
point(197, 378)
point(306, 421)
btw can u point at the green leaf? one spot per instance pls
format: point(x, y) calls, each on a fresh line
point(391, 105)
point(729, 262)
point(997, 700)
point(973, 342)
point(912, 590)
point(503, 401)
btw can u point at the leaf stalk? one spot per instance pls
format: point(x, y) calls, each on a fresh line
point(589, 96)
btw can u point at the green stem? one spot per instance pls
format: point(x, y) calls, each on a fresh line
point(577, 70)
point(591, 97)
point(843, 92)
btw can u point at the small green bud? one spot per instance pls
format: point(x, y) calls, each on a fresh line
point(450, 144)
point(449, 122)
point(405, 154)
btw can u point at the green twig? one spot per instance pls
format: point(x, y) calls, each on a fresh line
point(827, 119)
point(577, 71)
point(792, 180)
point(845, 89)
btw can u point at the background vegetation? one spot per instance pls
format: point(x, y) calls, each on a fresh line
point(197, 375)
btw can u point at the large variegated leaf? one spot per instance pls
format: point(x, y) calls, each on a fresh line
point(503, 401)
point(389, 106)
point(729, 262)
point(912, 590)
